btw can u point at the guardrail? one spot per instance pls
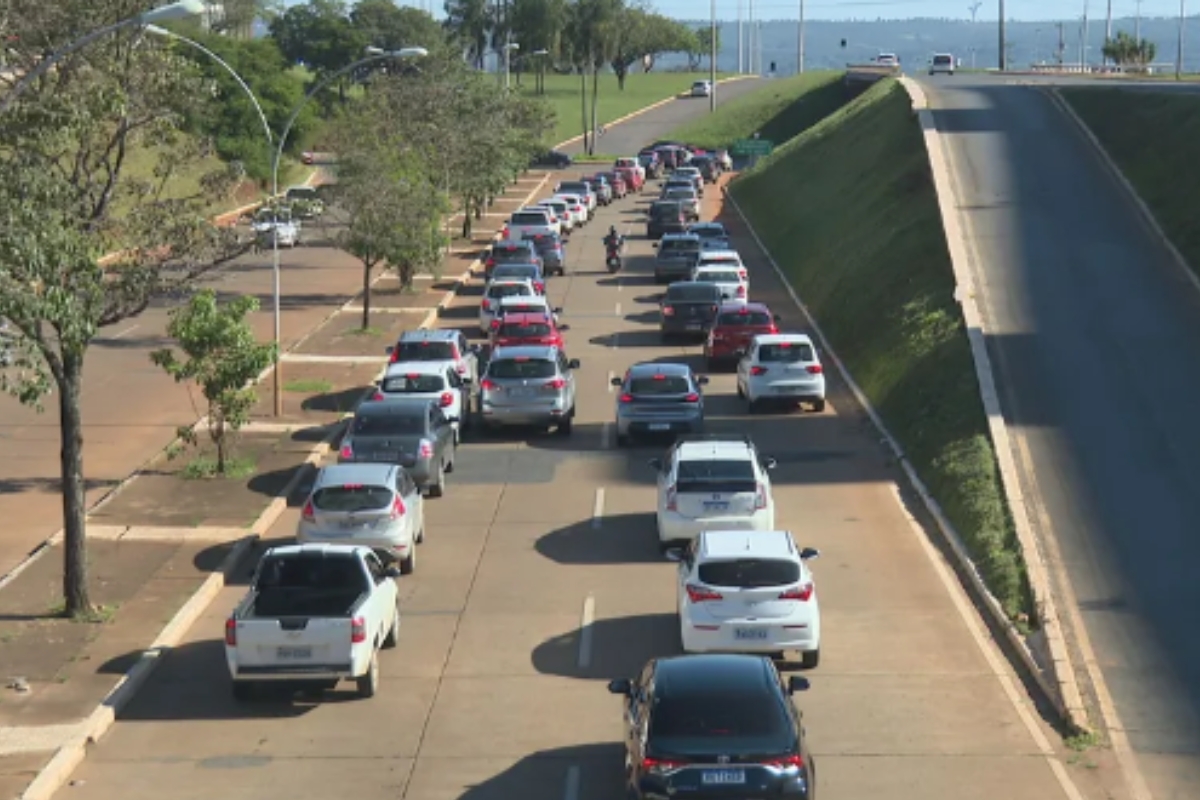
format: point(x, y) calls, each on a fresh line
point(860, 77)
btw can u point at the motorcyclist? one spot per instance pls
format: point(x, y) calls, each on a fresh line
point(614, 240)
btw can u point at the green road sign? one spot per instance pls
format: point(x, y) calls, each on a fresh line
point(752, 147)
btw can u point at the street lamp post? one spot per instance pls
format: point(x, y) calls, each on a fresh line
point(183, 9)
point(712, 59)
point(542, 52)
point(374, 54)
point(508, 51)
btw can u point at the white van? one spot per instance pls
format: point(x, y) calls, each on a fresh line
point(942, 63)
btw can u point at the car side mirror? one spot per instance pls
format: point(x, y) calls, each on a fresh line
point(809, 552)
point(674, 554)
point(617, 381)
point(573, 364)
point(769, 463)
point(620, 686)
point(796, 684)
point(654, 245)
point(655, 463)
point(392, 572)
point(387, 351)
point(702, 380)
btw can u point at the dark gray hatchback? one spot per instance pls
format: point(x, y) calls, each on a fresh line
point(688, 308)
point(412, 433)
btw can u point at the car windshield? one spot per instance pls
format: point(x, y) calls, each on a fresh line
point(674, 247)
point(694, 293)
point(750, 573)
point(785, 352)
point(509, 290)
point(659, 384)
point(413, 384)
point(528, 218)
point(715, 476)
point(424, 351)
point(352, 497)
point(744, 319)
point(412, 424)
point(518, 368)
point(523, 330)
point(719, 276)
point(512, 253)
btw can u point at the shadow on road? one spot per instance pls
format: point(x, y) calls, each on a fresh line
point(621, 539)
point(544, 775)
point(620, 647)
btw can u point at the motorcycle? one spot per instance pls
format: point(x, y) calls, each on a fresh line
point(613, 257)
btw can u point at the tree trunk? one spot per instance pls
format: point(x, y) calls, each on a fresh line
point(583, 108)
point(218, 436)
point(76, 600)
point(621, 71)
point(366, 301)
point(466, 227)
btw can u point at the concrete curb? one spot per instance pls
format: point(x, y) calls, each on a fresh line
point(1061, 686)
point(1148, 218)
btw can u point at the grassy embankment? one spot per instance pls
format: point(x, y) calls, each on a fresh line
point(861, 240)
point(1154, 138)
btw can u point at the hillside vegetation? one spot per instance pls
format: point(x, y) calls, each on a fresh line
point(1154, 137)
point(861, 240)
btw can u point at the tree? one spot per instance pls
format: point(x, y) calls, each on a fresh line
point(538, 25)
point(68, 195)
point(469, 23)
point(665, 35)
point(319, 35)
point(222, 357)
point(1124, 50)
point(701, 45)
point(383, 24)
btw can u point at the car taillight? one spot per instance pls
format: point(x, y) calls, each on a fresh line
point(557, 383)
point(801, 592)
point(446, 399)
point(760, 498)
point(231, 632)
point(758, 370)
point(658, 766)
point(741, 274)
point(672, 499)
point(426, 449)
point(702, 594)
point(491, 262)
point(785, 762)
point(626, 398)
point(815, 369)
point(668, 311)
point(773, 328)
point(398, 508)
point(692, 398)
point(539, 286)
point(504, 233)
point(487, 304)
point(358, 630)
point(495, 324)
point(488, 384)
point(377, 396)
point(308, 514)
point(394, 357)
point(741, 290)
point(347, 451)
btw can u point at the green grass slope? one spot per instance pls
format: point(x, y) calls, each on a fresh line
point(861, 241)
point(777, 112)
point(1154, 137)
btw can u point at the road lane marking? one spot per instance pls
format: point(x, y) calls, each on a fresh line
point(598, 508)
point(125, 332)
point(617, 310)
point(606, 435)
point(585, 640)
point(571, 788)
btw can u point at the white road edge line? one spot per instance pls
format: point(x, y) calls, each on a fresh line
point(585, 635)
point(598, 508)
point(571, 787)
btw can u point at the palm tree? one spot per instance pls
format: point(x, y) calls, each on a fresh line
point(470, 23)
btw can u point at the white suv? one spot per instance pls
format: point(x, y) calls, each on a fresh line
point(712, 482)
point(731, 280)
point(436, 381)
point(781, 368)
point(748, 592)
point(492, 295)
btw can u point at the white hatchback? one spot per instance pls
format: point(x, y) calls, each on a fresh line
point(783, 369)
point(492, 295)
point(748, 592)
point(576, 207)
point(560, 214)
point(712, 482)
point(733, 282)
point(436, 381)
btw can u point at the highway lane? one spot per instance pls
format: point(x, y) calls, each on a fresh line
point(1095, 332)
point(1034, 79)
point(493, 694)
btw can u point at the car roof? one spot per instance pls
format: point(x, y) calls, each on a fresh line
point(659, 368)
point(508, 281)
point(517, 300)
point(430, 334)
point(322, 549)
point(710, 449)
point(742, 544)
point(397, 406)
point(364, 473)
point(510, 244)
point(435, 367)
point(780, 338)
point(721, 252)
point(698, 675)
point(539, 351)
point(747, 307)
point(525, 316)
point(680, 236)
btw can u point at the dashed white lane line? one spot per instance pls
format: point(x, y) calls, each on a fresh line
point(617, 310)
point(585, 637)
point(598, 508)
point(606, 433)
point(571, 787)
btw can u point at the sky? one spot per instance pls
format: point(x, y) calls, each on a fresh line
point(1031, 10)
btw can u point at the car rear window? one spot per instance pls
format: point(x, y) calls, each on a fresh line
point(785, 352)
point(737, 319)
point(719, 276)
point(522, 308)
point(684, 293)
point(716, 260)
point(942, 59)
point(529, 218)
point(661, 384)
point(515, 271)
point(715, 475)
point(513, 252)
point(573, 187)
point(660, 210)
point(425, 351)
point(708, 233)
point(518, 368)
point(413, 384)
point(523, 330)
point(389, 424)
point(677, 246)
point(352, 498)
point(687, 722)
point(509, 290)
point(750, 573)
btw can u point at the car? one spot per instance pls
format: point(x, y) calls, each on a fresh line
point(369, 505)
point(691, 173)
point(675, 256)
point(633, 178)
point(528, 221)
point(553, 252)
point(437, 344)
point(721, 257)
point(710, 233)
point(577, 207)
point(528, 385)
point(664, 217)
point(581, 189)
point(600, 187)
point(519, 272)
point(277, 224)
point(617, 182)
point(748, 592)
point(712, 483)
point(781, 368)
point(736, 326)
point(731, 281)
point(518, 304)
point(491, 297)
point(412, 433)
point(559, 212)
point(688, 309)
point(527, 328)
point(509, 251)
point(941, 63)
point(432, 381)
point(631, 163)
point(701, 89)
point(649, 161)
point(703, 726)
point(655, 397)
point(552, 158)
point(304, 202)
point(710, 168)
point(887, 60)
point(687, 197)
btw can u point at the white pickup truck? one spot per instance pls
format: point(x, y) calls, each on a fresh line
point(315, 614)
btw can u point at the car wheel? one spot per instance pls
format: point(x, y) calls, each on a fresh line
point(408, 564)
point(369, 683)
point(439, 485)
point(751, 405)
point(453, 456)
point(420, 536)
point(393, 635)
point(810, 659)
point(243, 691)
point(819, 406)
point(741, 394)
point(565, 424)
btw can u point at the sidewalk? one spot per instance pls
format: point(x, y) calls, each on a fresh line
point(158, 541)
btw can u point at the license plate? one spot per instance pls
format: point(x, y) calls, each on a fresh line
point(659, 426)
point(750, 634)
point(520, 392)
point(723, 777)
point(784, 390)
point(695, 326)
point(387, 455)
point(293, 653)
point(716, 505)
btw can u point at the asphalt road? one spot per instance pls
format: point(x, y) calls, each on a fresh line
point(1032, 79)
point(540, 580)
point(1096, 334)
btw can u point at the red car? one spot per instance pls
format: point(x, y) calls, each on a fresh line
point(631, 177)
point(617, 181)
point(735, 327)
point(526, 329)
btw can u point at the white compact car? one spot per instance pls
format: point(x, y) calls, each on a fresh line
point(733, 282)
point(277, 222)
point(576, 207)
point(519, 304)
point(491, 299)
point(560, 215)
point(712, 482)
point(436, 381)
point(748, 592)
point(783, 369)
point(701, 89)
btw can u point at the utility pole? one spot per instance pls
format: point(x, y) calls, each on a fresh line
point(1003, 43)
point(750, 38)
point(974, 9)
point(1062, 44)
point(712, 59)
point(1137, 24)
point(1179, 43)
point(1083, 37)
point(800, 41)
point(1108, 27)
point(741, 60)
